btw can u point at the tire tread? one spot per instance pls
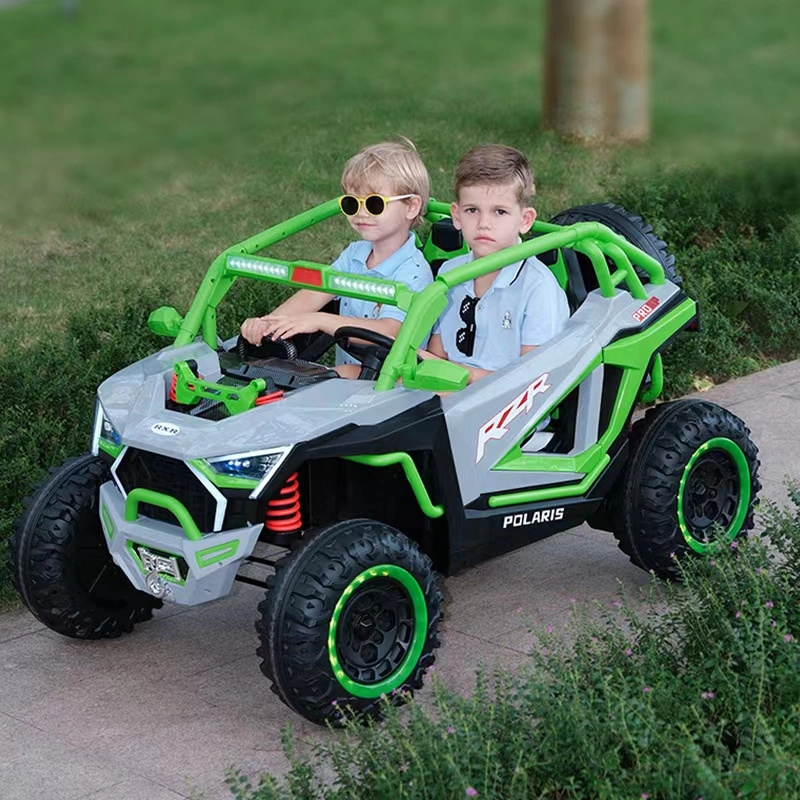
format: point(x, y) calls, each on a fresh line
point(39, 547)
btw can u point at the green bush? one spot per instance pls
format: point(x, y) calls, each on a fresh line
point(53, 388)
point(736, 238)
point(698, 700)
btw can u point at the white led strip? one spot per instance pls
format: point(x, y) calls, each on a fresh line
point(258, 267)
point(365, 287)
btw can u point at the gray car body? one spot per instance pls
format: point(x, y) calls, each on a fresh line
point(134, 400)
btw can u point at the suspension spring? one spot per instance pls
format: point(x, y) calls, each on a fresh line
point(283, 511)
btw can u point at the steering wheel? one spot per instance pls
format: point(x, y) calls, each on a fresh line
point(370, 355)
point(269, 348)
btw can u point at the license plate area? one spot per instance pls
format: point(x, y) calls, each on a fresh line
point(161, 563)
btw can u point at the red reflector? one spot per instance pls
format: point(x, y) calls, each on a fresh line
point(313, 277)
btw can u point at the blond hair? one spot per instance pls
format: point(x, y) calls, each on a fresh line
point(398, 163)
point(496, 165)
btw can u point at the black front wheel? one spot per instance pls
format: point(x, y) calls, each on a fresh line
point(62, 567)
point(691, 485)
point(351, 618)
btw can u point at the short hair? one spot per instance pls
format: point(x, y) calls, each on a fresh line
point(496, 165)
point(397, 162)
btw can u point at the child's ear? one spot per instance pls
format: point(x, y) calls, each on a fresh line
point(528, 218)
point(455, 213)
point(413, 206)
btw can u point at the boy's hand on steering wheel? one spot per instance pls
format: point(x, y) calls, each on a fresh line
point(254, 329)
point(282, 326)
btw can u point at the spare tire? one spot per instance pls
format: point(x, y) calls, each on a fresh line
point(581, 274)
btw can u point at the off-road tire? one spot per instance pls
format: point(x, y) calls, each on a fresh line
point(678, 465)
point(631, 227)
point(62, 567)
point(323, 589)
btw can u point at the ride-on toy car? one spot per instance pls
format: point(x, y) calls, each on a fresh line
point(217, 461)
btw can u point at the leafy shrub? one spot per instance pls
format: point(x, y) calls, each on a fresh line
point(48, 415)
point(736, 238)
point(699, 697)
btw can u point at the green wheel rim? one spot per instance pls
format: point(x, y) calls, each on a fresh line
point(420, 611)
point(743, 474)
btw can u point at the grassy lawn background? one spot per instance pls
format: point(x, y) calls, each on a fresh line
point(140, 139)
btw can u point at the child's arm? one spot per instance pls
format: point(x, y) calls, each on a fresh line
point(435, 347)
point(546, 313)
point(436, 350)
point(283, 326)
point(302, 302)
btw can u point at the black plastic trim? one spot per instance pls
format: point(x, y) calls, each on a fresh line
point(491, 532)
point(664, 308)
point(612, 378)
point(460, 538)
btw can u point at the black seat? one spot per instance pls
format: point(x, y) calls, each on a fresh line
point(581, 277)
point(444, 242)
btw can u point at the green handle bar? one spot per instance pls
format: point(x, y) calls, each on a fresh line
point(137, 496)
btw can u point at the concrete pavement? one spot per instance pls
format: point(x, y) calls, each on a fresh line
point(163, 711)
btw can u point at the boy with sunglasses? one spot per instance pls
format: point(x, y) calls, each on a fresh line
point(387, 189)
point(492, 321)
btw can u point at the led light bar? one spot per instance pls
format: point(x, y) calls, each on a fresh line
point(257, 267)
point(362, 286)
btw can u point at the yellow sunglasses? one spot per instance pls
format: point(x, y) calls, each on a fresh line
point(375, 204)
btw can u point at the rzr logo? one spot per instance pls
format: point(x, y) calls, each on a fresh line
point(497, 426)
point(643, 312)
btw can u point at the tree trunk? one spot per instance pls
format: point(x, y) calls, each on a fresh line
point(596, 70)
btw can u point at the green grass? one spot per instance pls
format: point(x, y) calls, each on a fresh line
point(145, 137)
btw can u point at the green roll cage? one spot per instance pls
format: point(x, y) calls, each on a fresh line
point(596, 241)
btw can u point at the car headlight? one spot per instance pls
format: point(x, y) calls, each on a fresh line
point(106, 437)
point(258, 466)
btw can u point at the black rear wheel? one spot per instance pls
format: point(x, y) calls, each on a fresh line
point(62, 567)
point(352, 618)
point(628, 225)
point(691, 485)
point(581, 277)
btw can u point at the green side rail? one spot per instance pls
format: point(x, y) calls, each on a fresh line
point(635, 360)
point(180, 511)
point(412, 474)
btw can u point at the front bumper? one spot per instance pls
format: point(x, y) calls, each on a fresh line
point(206, 566)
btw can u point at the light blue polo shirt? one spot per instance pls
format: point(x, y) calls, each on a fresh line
point(406, 265)
point(524, 306)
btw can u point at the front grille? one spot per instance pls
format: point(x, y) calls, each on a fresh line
point(140, 469)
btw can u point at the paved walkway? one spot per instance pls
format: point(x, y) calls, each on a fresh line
point(164, 710)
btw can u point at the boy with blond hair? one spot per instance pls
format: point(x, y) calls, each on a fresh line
point(492, 321)
point(386, 189)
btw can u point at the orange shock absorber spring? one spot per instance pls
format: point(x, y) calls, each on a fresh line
point(283, 511)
